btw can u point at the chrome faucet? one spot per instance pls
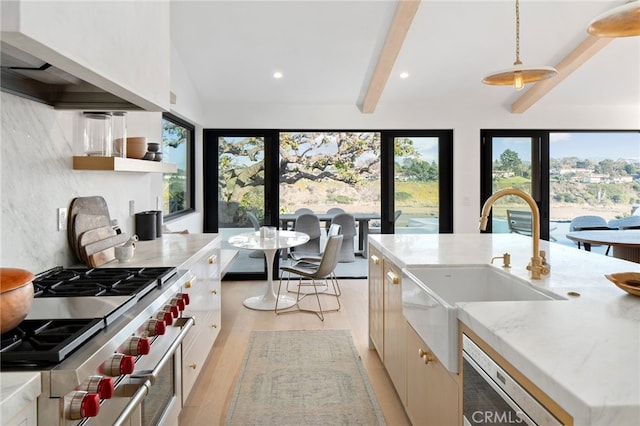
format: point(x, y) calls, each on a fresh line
point(538, 265)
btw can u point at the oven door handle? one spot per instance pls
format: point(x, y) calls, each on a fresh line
point(134, 401)
point(148, 377)
point(151, 375)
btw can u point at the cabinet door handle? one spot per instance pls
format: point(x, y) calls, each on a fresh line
point(193, 366)
point(214, 325)
point(212, 259)
point(375, 259)
point(214, 292)
point(393, 278)
point(425, 356)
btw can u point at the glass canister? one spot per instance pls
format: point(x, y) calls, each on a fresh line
point(119, 134)
point(97, 134)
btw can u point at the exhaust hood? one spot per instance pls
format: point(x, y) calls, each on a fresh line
point(24, 75)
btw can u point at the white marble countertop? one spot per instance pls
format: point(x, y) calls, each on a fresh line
point(583, 352)
point(169, 250)
point(17, 390)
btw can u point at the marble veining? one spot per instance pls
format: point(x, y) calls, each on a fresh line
point(584, 352)
point(38, 143)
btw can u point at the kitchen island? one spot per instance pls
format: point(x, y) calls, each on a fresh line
point(583, 352)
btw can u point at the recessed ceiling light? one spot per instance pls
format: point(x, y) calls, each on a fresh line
point(404, 75)
point(277, 74)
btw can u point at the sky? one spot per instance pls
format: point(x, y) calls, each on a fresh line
point(593, 146)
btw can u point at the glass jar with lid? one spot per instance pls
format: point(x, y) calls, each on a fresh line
point(97, 134)
point(119, 134)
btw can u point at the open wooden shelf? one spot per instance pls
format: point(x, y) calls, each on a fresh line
point(119, 164)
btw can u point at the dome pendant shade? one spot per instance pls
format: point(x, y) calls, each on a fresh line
point(519, 75)
point(622, 21)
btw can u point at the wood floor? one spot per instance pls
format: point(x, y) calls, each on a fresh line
point(212, 394)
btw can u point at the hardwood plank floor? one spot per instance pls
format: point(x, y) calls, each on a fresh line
point(211, 396)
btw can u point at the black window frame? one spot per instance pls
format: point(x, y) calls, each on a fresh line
point(190, 199)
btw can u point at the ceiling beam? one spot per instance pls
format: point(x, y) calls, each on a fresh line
point(405, 11)
point(581, 54)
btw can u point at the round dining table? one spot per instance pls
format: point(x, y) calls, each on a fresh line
point(625, 243)
point(270, 246)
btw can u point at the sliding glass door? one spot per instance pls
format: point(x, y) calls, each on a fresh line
point(391, 181)
point(422, 191)
point(568, 173)
point(238, 166)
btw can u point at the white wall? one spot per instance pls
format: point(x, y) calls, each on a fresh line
point(37, 145)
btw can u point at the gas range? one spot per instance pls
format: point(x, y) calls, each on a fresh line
point(89, 330)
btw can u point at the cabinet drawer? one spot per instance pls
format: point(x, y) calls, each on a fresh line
point(195, 349)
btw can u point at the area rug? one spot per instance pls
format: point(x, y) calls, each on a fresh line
point(303, 377)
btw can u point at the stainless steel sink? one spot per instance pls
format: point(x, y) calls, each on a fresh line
point(431, 294)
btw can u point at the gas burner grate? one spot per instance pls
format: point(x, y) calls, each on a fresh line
point(38, 342)
point(100, 282)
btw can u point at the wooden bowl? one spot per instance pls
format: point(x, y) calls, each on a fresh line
point(16, 296)
point(627, 281)
point(136, 147)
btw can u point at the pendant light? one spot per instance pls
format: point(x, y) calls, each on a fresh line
point(518, 75)
point(621, 21)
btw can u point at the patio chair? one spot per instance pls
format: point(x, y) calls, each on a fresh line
point(332, 212)
point(589, 223)
point(348, 225)
point(377, 227)
point(628, 222)
point(308, 275)
point(520, 222)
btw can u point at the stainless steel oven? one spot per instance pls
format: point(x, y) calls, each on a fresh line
point(492, 397)
point(151, 395)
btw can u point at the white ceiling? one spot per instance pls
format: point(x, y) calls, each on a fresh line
point(327, 51)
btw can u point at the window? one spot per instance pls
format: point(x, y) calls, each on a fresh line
point(569, 174)
point(177, 148)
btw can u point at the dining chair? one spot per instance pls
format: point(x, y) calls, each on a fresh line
point(348, 229)
point(256, 254)
point(308, 275)
point(297, 257)
point(332, 212)
point(310, 225)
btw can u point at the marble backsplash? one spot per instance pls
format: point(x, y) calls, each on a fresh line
point(37, 144)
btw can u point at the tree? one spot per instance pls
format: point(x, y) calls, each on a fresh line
point(511, 162)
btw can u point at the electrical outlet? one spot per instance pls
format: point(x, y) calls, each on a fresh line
point(132, 207)
point(62, 219)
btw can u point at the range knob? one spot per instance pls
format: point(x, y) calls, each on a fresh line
point(83, 405)
point(154, 327)
point(137, 346)
point(178, 302)
point(173, 309)
point(184, 296)
point(165, 315)
point(118, 364)
point(101, 385)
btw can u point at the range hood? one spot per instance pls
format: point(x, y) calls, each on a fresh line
point(24, 75)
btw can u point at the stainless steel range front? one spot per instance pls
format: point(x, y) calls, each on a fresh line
point(107, 344)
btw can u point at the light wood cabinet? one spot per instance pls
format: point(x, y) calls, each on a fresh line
point(376, 302)
point(433, 394)
point(394, 346)
point(205, 306)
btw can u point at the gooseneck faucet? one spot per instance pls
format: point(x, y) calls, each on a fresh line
point(538, 265)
